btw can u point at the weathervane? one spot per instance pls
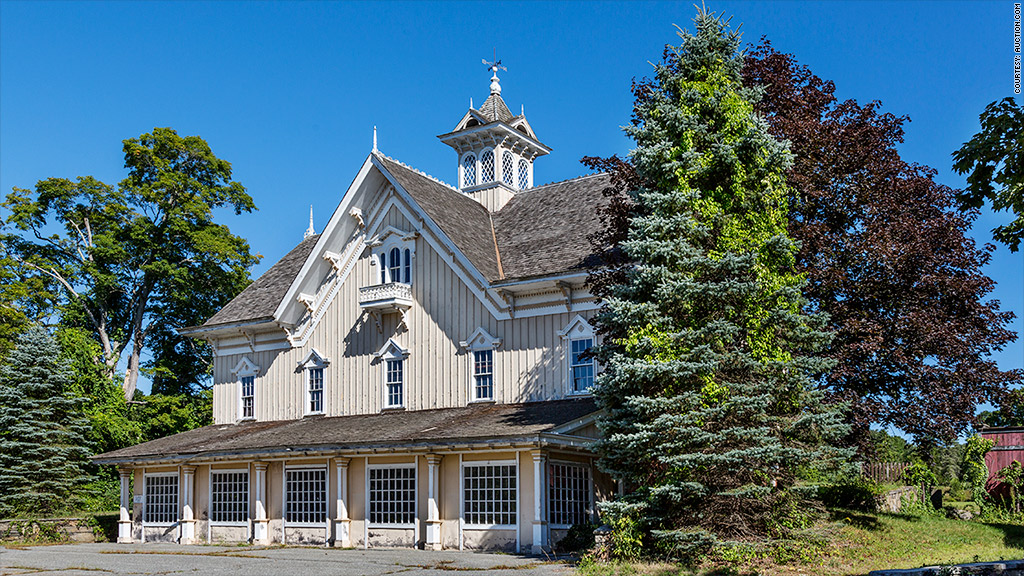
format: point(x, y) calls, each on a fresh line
point(494, 66)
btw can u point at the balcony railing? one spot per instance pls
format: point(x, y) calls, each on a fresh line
point(392, 296)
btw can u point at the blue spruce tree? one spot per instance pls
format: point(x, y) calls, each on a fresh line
point(709, 350)
point(42, 430)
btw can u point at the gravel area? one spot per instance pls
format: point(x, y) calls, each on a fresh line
point(153, 559)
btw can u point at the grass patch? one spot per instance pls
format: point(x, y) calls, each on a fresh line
point(858, 543)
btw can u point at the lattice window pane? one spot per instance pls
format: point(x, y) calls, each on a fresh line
point(248, 391)
point(483, 374)
point(469, 171)
point(568, 494)
point(508, 168)
point(524, 174)
point(229, 496)
point(582, 368)
point(489, 494)
point(316, 389)
point(305, 496)
point(487, 167)
point(393, 495)
point(161, 505)
point(395, 381)
point(407, 266)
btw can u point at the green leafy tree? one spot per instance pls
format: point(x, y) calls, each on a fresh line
point(137, 261)
point(1013, 476)
point(709, 352)
point(994, 163)
point(42, 429)
point(973, 471)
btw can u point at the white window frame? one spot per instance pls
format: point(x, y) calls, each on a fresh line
point(590, 489)
point(381, 255)
point(392, 351)
point(145, 498)
point(314, 361)
point(462, 170)
point(466, 525)
point(495, 176)
point(248, 498)
point(577, 329)
point(479, 341)
point(415, 495)
point(284, 496)
point(514, 159)
point(245, 368)
point(529, 174)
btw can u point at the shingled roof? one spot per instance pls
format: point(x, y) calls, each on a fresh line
point(546, 230)
point(464, 220)
point(261, 298)
point(411, 428)
point(494, 108)
point(540, 232)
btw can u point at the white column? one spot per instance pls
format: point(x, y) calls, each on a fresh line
point(188, 520)
point(260, 524)
point(342, 523)
point(540, 523)
point(433, 541)
point(124, 522)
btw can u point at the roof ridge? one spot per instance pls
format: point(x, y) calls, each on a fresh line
point(566, 180)
point(417, 170)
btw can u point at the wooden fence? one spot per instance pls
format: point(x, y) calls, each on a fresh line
point(884, 472)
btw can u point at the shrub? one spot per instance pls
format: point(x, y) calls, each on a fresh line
point(854, 494)
point(580, 537)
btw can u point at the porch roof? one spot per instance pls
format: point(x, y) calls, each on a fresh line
point(439, 428)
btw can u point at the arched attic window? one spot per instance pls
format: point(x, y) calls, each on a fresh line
point(469, 171)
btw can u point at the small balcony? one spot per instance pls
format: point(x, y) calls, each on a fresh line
point(390, 297)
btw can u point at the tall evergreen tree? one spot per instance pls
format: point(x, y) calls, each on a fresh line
point(709, 352)
point(42, 430)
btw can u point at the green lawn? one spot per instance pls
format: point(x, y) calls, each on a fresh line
point(863, 542)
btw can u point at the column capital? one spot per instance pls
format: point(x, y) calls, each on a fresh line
point(434, 459)
point(341, 461)
point(125, 472)
point(538, 455)
point(261, 466)
point(188, 469)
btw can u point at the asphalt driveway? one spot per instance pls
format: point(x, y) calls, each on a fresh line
point(154, 559)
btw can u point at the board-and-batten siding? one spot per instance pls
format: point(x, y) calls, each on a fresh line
point(529, 364)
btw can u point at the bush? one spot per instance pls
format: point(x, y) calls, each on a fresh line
point(854, 494)
point(580, 537)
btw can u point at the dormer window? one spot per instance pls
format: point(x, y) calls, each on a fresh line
point(487, 166)
point(469, 171)
point(508, 165)
point(524, 174)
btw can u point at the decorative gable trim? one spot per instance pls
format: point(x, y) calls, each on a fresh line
point(480, 339)
point(245, 367)
point(313, 360)
point(578, 327)
point(391, 350)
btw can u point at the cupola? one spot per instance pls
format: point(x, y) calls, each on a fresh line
point(495, 149)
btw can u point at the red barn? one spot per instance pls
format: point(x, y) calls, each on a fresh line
point(1009, 447)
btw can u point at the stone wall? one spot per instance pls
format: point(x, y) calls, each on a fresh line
point(91, 529)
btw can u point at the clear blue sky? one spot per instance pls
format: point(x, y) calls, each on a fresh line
point(289, 92)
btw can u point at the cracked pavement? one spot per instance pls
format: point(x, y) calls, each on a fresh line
point(159, 559)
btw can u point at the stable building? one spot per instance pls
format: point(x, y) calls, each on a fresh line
point(414, 375)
